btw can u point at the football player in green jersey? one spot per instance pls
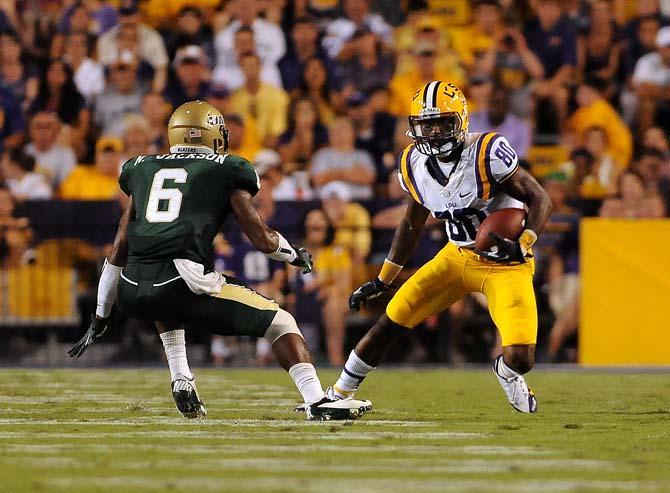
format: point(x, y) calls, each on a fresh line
point(161, 264)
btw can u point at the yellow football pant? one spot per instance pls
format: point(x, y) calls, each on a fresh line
point(455, 271)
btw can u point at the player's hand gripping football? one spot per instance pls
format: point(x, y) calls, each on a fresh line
point(507, 252)
point(95, 330)
point(304, 260)
point(367, 292)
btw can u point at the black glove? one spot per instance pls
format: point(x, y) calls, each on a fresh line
point(508, 252)
point(304, 260)
point(95, 330)
point(368, 291)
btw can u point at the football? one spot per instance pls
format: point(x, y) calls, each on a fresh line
point(508, 223)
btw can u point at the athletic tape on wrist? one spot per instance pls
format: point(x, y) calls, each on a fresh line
point(109, 278)
point(389, 271)
point(284, 252)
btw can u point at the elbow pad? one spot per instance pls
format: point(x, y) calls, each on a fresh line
point(109, 279)
point(284, 252)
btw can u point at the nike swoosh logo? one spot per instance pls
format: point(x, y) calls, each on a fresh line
point(461, 195)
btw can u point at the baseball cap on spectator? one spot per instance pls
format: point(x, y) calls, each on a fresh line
point(357, 99)
point(265, 160)
point(336, 190)
point(218, 91)
point(109, 144)
point(190, 10)
point(663, 37)
point(190, 54)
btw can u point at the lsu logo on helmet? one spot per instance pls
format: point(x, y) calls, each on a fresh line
point(439, 120)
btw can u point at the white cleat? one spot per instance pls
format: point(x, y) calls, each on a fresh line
point(332, 408)
point(520, 396)
point(186, 398)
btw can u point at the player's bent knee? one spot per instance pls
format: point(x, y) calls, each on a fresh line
point(282, 324)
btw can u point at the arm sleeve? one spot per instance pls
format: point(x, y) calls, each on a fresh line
point(247, 178)
point(503, 159)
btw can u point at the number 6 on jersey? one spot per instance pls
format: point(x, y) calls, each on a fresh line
point(173, 196)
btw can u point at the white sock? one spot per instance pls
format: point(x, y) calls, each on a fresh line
point(308, 383)
point(354, 372)
point(175, 350)
point(503, 370)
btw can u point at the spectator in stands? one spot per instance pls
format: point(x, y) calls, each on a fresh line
point(599, 50)
point(269, 41)
point(192, 76)
point(368, 65)
point(122, 96)
point(511, 61)
point(188, 29)
point(136, 137)
point(12, 123)
point(151, 46)
point(656, 138)
point(99, 181)
point(128, 42)
point(219, 97)
point(595, 111)
point(18, 170)
point(472, 42)
point(266, 104)
point(89, 75)
point(652, 168)
point(337, 39)
point(557, 258)
point(304, 136)
point(350, 220)
point(321, 296)
point(15, 74)
point(601, 179)
point(232, 77)
point(640, 31)
point(497, 118)
point(402, 86)
point(242, 137)
point(75, 19)
point(157, 112)
point(374, 132)
point(342, 162)
point(304, 46)
point(102, 17)
point(553, 38)
point(317, 87)
point(651, 80)
point(58, 93)
point(15, 233)
point(52, 158)
point(632, 200)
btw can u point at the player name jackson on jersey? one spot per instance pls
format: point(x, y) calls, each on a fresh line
point(462, 194)
point(180, 202)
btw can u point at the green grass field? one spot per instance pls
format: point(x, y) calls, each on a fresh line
point(431, 431)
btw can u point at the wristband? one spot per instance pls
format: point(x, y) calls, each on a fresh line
point(109, 278)
point(389, 271)
point(527, 240)
point(284, 252)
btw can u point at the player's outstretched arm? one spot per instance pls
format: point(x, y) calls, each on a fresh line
point(405, 239)
point(267, 240)
point(522, 186)
point(107, 285)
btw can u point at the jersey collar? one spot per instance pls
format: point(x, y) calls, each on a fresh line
point(186, 149)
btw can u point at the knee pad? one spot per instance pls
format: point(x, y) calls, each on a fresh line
point(282, 324)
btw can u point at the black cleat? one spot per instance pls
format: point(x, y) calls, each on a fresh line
point(186, 397)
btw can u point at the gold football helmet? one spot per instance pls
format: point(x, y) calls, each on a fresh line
point(198, 124)
point(439, 120)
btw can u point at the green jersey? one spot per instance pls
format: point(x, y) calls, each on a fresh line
point(180, 202)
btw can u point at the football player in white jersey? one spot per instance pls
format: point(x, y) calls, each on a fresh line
point(459, 177)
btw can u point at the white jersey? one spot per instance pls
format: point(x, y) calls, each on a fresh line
point(473, 188)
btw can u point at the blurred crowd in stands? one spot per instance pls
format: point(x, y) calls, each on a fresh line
point(316, 94)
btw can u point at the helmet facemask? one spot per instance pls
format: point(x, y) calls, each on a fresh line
point(439, 134)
